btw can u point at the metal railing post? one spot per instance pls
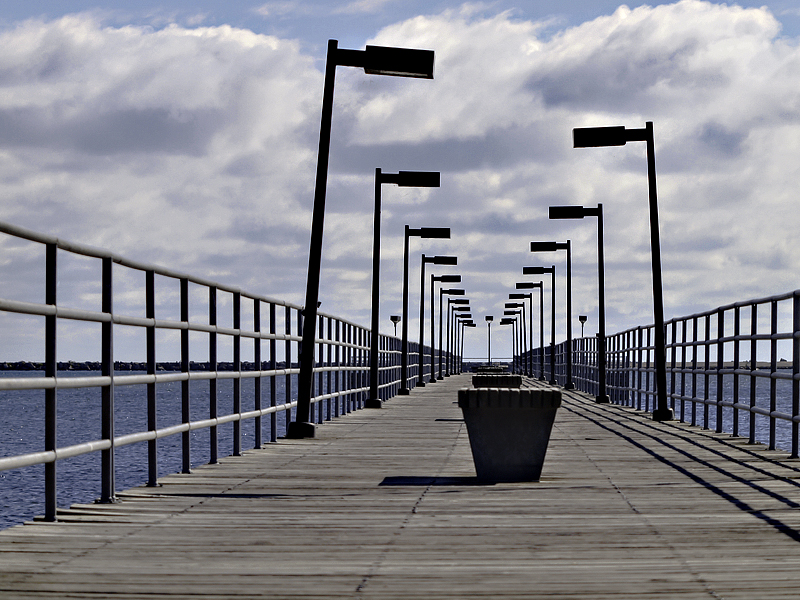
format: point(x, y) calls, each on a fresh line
point(152, 408)
point(273, 365)
point(185, 417)
point(257, 364)
point(237, 367)
point(795, 371)
point(213, 433)
point(107, 367)
point(50, 395)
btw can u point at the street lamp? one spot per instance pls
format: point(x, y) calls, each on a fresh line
point(395, 319)
point(469, 323)
point(441, 279)
point(442, 292)
point(579, 212)
point(512, 316)
point(582, 319)
point(529, 359)
point(528, 285)
point(551, 247)
point(422, 232)
point(401, 179)
point(435, 260)
point(552, 271)
point(594, 137)
point(375, 60)
point(451, 302)
point(523, 335)
point(459, 345)
point(460, 305)
point(489, 319)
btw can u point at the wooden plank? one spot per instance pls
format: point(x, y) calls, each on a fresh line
point(385, 504)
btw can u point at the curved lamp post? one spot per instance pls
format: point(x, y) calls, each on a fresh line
point(550, 247)
point(440, 279)
point(552, 271)
point(594, 137)
point(579, 212)
point(375, 60)
point(434, 260)
point(422, 232)
point(401, 179)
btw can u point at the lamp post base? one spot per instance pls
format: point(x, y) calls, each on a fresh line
point(403, 392)
point(604, 399)
point(542, 378)
point(433, 380)
point(299, 430)
point(440, 378)
point(553, 382)
point(373, 403)
point(663, 415)
point(569, 386)
point(420, 384)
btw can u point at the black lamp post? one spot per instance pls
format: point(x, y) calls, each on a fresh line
point(395, 319)
point(434, 260)
point(469, 323)
point(511, 321)
point(489, 319)
point(442, 292)
point(375, 60)
point(552, 271)
point(582, 319)
point(594, 137)
point(529, 359)
point(550, 247)
point(522, 333)
point(453, 340)
point(441, 279)
point(579, 212)
point(512, 316)
point(459, 348)
point(451, 302)
point(422, 232)
point(401, 179)
point(527, 285)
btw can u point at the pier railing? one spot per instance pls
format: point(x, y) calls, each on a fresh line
point(200, 319)
point(735, 368)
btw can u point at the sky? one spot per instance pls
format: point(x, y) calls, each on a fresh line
point(185, 134)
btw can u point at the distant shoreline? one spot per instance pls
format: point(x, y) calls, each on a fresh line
point(24, 365)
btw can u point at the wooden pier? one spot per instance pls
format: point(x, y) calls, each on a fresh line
point(384, 504)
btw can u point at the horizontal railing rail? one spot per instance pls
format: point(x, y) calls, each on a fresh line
point(272, 329)
point(735, 368)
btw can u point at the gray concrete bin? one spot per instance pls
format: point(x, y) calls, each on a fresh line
point(509, 430)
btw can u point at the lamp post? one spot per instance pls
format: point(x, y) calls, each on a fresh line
point(594, 137)
point(513, 316)
point(422, 232)
point(453, 340)
point(489, 319)
point(522, 333)
point(442, 292)
point(450, 303)
point(435, 260)
point(440, 279)
point(529, 359)
point(375, 60)
point(552, 271)
point(511, 321)
point(527, 285)
point(579, 212)
point(459, 347)
point(550, 247)
point(469, 323)
point(395, 319)
point(582, 319)
point(401, 179)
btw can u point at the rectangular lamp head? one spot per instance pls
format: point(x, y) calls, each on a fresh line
point(449, 278)
point(514, 305)
point(595, 137)
point(459, 301)
point(418, 179)
point(434, 232)
point(519, 296)
point(454, 292)
point(536, 270)
point(567, 212)
point(489, 318)
point(544, 246)
point(399, 62)
point(444, 260)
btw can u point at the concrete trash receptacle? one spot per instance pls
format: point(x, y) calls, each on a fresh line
point(509, 430)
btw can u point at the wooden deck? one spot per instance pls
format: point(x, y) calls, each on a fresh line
point(384, 504)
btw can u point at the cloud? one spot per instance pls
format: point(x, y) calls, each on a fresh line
point(196, 148)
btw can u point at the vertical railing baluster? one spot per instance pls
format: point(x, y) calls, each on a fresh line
point(321, 374)
point(639, 366)
point(773, 368)
point(720, 366)
point(647, 396)
point(753, 369)
point(672, 365)
point(683, 370)
point(694, 371)
point(736, 330)
point(329, 376)
point(213, 385)
point(237, 368)
point(50, 395)
point(273, 365)
point(707, 375)
point(795, 371)
point(152, 407)
point(288, 356)
point(107, 393)
point(338, 377)
point(186, 436)
point(257, 364)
